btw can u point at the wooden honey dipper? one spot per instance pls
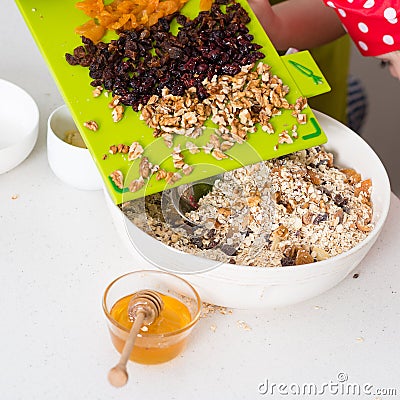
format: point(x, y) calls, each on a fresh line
point(144, 307)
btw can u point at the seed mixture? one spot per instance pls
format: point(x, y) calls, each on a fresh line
point(293, 210)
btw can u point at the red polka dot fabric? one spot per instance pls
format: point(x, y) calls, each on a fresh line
point(372, 24)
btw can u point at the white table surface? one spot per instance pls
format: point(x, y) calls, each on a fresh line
point(59, 250)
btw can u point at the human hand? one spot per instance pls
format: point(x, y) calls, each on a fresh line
point(302, 24)
point(263, 11)
point(393, 61)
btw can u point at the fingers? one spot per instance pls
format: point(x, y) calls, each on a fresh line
point(392, 60)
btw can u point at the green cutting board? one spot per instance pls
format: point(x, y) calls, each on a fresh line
point(52, 25)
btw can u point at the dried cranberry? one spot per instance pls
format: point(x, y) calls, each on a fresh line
point(229, 250)
point(287, 262)
point(197, 241)
point(320, 218)
point(230, 69)
point(71, 59)
point(340, 200)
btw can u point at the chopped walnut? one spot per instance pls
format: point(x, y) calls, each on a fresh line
point(97, 91)
point(230, 105)
point(161, 174)
point(301, 118)
point(285, 138)
point(114, 102)
point(135, 151)
point(91, 125)
point(144, 167)
point(218, 154)
point(172, 177)
point(118, 178)
point(117, 113)
point(187, 169)
point(136, 184)
point(192, 147)
point(113, 149)
point(177, 158)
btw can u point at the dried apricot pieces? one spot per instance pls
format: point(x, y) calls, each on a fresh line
point(91, 8)
point(205, 5)
point(91, 30)
point(303, 257)
point(123, 15)
point(363, 188)
point(352, 176)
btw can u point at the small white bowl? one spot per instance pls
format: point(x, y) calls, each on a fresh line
point(71, 164)
point(19, 125)
point(263, 287)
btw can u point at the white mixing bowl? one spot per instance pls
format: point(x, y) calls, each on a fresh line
point(19, 125)
point(262, 287)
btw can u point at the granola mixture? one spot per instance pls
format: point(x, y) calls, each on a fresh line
point(304, 210)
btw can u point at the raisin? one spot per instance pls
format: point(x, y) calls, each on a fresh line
point(340, 200)
point(287, 262)
point(197, 241)
point(71, 60)
point(210, 234)
point(229, 250)
point(320, 218)
point(211, 245)
point(323, 189)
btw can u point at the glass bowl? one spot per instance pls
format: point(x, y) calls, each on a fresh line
point(153, 348)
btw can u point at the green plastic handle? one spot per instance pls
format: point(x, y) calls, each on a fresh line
point(306, 73)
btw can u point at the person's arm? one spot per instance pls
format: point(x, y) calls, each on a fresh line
point(302, 24)
point(373, 27)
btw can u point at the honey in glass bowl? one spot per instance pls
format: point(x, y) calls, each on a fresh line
point(167, 336)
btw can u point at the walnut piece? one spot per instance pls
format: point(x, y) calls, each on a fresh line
point(135, 151)
point(118, 178)
point(117, 113)
point(91, 125)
